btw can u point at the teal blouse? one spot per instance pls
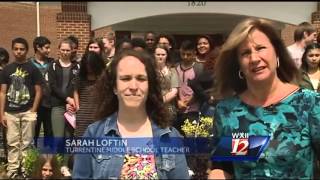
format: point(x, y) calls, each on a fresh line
point(294, 127)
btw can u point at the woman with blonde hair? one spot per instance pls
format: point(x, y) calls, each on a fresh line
point(258, 80)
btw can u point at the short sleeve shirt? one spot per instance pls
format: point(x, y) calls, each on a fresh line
point(185, 90)
point(20, 80)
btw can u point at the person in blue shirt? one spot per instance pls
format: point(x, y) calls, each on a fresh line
point(259, 82)
point(130, 105)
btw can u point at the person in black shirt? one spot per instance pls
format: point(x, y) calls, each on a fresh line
point(19, 99)
point(62, 74)
point(4, 59)
point(41, 46)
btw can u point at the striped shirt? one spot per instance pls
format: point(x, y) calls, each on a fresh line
point(85, 114)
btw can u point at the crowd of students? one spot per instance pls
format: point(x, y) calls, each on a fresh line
point(147, 88)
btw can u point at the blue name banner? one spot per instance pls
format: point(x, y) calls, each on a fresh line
point(118, 145)
point(228, 148)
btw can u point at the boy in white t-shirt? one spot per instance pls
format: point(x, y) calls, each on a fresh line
point(303, 35)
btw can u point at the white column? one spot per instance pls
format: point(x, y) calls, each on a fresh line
point(38, 18)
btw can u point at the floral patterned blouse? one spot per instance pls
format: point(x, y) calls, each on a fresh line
point(293, 125)
point(139, 166)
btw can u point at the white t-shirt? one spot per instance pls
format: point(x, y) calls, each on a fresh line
point(296, 53)
point(315, 83)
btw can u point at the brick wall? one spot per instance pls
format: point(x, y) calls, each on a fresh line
point(102, 31)
point(315, 18)
point(48, 25)
point(74, 20)
point(20, 20)
point(17, 20)
point(80, 29)
point(287, 34)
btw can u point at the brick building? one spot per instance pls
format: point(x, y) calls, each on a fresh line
point(20, 19)
point(57, 21)
point(60, 19)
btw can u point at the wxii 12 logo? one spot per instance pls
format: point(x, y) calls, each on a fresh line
point(240, 147)
point(240, 144)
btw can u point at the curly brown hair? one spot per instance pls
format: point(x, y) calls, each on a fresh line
point(107, 101)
